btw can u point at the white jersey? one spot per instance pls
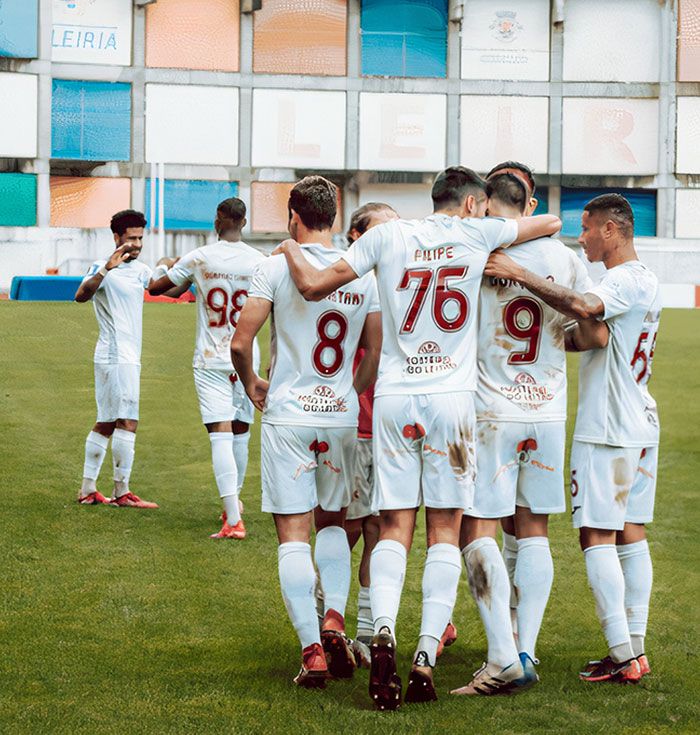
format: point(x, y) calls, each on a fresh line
point(614, 404)
point(222, 273)
point(313, 343)
point(118, 304)
point(522, 362)
point(428, 275)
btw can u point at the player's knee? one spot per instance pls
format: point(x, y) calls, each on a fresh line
point(104, 428)
point(127, 425)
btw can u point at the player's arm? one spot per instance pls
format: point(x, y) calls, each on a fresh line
point(591, 334)
point(371, 341)
point(579, 306)
point(541, 225)
point(161, 285)
point(252, 317)
point(314, 284)
point(89, 286)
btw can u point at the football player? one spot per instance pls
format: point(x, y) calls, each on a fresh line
point(221, 272)
point(428, 275)
point(615, 450)
point(116, 288)
point(309, 422)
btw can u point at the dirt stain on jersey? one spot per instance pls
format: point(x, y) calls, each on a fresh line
point(556, 328)
point(478, 579)
point(459, 453)
point(622, 479)
point(504, 343)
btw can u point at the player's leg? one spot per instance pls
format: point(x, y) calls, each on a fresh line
point(244, 417)
point(494, 498)
point(601, 480)
point(289, 493)
point(509, 552)
point(633, 552)
point(365, 620)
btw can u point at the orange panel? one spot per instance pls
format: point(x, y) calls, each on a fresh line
point(193, 34)
point(293, 37)
point(697, 297)
point(87, 202)
point(689, 41)
point(269, 207)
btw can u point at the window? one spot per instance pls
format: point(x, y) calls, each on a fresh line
point(91, 121)
point(17, 200)
point(687, 208)
point(18, 28)
point(300, 37)
point(193, 34)
point(688, 135)
point(404, 38)
point(18, 131)
point(191, 204)
point(86, 201)
point(643, 205)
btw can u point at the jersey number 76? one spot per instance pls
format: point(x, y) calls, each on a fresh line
point(442, 296)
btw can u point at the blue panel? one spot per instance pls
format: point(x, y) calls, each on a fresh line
point(404, 38)
point(542, 201)
point(44, 288)
point(91, 121)
point(18, 28)
point(643, 206)
point(191, 204)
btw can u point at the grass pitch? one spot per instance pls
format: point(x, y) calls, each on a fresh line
point(127, 621)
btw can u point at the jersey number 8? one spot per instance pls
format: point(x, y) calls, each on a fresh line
point(332, 326)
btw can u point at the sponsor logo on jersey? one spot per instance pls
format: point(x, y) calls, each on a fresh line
point(526, 392)
point(429, 360)
point(323, 400)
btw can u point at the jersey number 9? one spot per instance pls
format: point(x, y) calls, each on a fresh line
point(522, 319)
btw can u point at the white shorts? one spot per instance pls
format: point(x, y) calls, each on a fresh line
point(424, 451)
point(117, 392)
point(303, 466)
point(519, 464)
point(222, 396)
point(363, 480)
point(611, 486)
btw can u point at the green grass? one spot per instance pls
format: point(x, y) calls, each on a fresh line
point(120, 621)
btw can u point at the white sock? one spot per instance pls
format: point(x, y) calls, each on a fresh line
point(365, 626)
point(95, 450)
point(608, 585)
point(332, 554)
point(637, 570)
point(297, 577)
point(488, 581)
point(240, 453)
point(534, 573)
point(387, 570)
point(122, 459)
point(443, 568)
point(509, 551)
point(225, 473)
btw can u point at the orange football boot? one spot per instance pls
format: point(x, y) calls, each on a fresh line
point(129, 500)
point(314, 670)
point(94, 498)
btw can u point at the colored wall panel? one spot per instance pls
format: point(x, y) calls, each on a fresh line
point(17, 200)
point(89, 32)
point(687, 209)
point(90, 121)
point(612, 41)
point(298, 129)
point(411, 201)
point(402, 132)
point(495, 128)
point(191, 124)
point(505, 41)
point(689, 41)
point(87, 202)
point(268, 207)
point(18, 121)
point(19, 28)
point(181, 34)
point(610, 136)
point(688, 135)
point(300, 38)
point(404, 38)
point(643, 205)
point(191, 204)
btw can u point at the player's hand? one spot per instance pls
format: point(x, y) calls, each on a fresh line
point(257, 392)
point(499, 265)
point(118, 257)
point(284, 246)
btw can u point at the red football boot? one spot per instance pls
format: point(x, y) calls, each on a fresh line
point(94, 498)
point(129, 500)
point(314, 671)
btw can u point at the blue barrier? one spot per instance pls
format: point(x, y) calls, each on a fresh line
point(44, 288)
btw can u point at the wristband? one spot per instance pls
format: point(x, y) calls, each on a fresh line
point(102, 271)
point(160, 271)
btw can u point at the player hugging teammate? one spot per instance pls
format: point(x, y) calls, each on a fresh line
point(467, 415)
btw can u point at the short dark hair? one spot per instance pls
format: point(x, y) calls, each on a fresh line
point(517, 166)
point(121, 221)
point(361, 217)
point(616, 208)
point(315, 200)
point(233, 209)
point(454, 184)
point(509, 189)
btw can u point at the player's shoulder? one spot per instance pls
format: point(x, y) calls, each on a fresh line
point(95, 266)
point(249, 251)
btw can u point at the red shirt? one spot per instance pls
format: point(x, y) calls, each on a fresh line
point(366, 400)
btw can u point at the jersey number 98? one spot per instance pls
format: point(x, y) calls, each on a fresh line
point(218, 303)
